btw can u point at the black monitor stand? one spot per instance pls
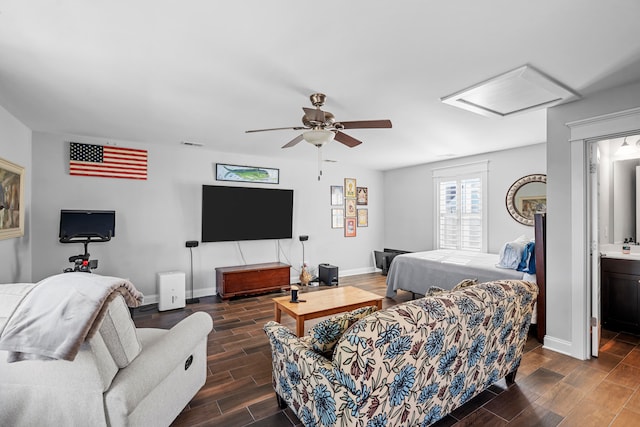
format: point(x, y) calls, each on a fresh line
point(82, 262)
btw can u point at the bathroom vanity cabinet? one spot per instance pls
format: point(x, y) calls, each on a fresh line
point(620, 294)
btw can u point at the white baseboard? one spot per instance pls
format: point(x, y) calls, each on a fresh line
point(357, 271)
point(341, 273)
point(558, 345)
point(205, 292)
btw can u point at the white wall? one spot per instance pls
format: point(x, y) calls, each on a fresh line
point(562, 285)
point(409, 199)
point(15, 253)
point(155, 217)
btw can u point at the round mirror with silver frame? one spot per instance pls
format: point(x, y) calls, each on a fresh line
point(526, 197)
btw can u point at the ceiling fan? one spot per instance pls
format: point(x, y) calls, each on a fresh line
point(321, 127)
point(315, 120)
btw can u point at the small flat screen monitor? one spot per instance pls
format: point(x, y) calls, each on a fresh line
point(84, 224)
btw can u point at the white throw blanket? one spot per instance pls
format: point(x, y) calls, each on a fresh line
point(59, 313)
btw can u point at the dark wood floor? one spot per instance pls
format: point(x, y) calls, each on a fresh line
point(551, 389)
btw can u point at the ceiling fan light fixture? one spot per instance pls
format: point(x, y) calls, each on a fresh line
point(318, 137)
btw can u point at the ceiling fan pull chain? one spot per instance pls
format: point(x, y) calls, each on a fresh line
point(319, 161)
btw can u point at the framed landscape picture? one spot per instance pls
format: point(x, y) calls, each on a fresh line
point(528, 206)
point(349, 227)
point(237, 173)
point(11, 200)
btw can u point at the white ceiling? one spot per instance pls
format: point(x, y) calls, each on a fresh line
point(162, 72)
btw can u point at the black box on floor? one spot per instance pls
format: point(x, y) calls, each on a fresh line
point(328, 274)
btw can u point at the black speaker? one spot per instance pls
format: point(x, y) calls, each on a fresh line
point(328, 274)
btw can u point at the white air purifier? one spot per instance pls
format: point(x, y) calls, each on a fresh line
point(171, 286)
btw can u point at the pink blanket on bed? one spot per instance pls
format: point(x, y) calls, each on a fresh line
point(60, 313)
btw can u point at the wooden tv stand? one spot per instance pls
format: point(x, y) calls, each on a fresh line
point(252, 279)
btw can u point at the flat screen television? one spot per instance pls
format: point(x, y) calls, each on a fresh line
point(82, 224)
point(246, 213)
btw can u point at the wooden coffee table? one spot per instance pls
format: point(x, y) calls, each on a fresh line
point(324, 303)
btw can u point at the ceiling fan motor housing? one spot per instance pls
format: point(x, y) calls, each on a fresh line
point(317, 99)
point(329, 119)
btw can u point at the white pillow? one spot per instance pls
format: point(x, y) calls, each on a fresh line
point(511, 253)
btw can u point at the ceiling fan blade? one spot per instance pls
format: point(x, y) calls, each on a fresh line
point(264, 130)
point(366, 124)
point(347, 140)
point(293, 142)
point(314, 114)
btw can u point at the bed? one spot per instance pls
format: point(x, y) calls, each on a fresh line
point(416, 272)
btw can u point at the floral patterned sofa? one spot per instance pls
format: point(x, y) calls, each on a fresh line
point(407, 365)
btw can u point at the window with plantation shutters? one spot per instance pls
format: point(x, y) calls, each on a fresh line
point(460, 213)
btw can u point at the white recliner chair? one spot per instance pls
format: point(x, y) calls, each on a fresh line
point(122, 376)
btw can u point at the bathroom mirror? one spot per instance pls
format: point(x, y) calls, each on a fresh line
point(527, 196)
point(621, 201)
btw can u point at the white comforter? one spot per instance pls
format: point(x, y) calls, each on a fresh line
point(52, 319)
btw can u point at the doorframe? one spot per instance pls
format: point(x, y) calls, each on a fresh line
point(593, 198)
point(582, 133)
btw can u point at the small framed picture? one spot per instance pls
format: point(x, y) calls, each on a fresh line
point(237, 173)
point(337, 218)
point(350, 188)
point(349, 227)
point(363, 195)
point(528, 206)
point(337, 195)
point(363, 217)
point(350, 206)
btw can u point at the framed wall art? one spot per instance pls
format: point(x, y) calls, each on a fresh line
point(363, 195)
point(337, 195)
point(349, 227)
point(337, 218)
point(239, 173)
point(363, 217)
point(528, 206)
point(350, 208)
point(350, 188)
point(11, 200)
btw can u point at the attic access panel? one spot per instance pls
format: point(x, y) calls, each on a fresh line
point(516, 91)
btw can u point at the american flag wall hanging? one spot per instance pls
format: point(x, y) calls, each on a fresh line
point(107, 161)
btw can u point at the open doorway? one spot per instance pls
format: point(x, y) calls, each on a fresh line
point(614, 200)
